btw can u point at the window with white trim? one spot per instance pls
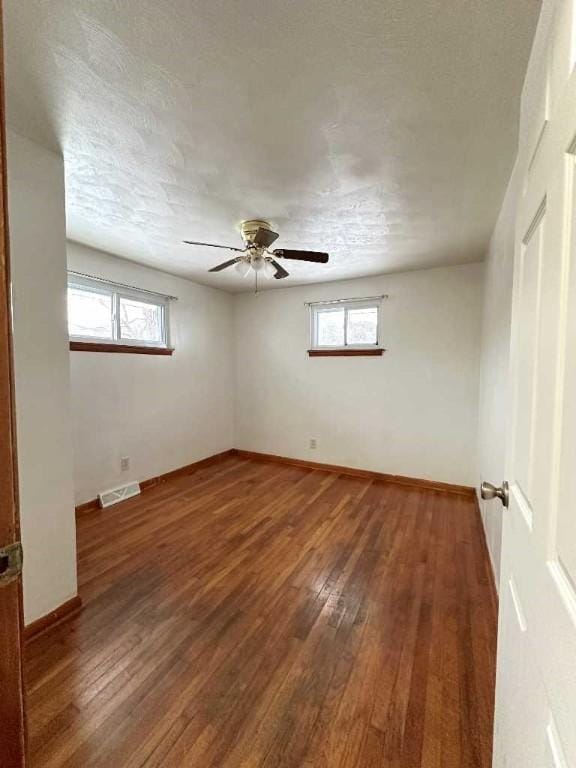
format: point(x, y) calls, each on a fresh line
point(99, 311)
point(345, 324)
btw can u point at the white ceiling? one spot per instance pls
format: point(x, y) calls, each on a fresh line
point(382, 131)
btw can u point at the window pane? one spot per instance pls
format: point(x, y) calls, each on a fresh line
point(141, 321)
point(89, 313)
point(330, 328)
point(362, 325)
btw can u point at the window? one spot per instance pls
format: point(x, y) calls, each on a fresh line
point(105, 313)
point(350, 324)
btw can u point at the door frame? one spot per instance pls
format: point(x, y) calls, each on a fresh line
point(12, 704)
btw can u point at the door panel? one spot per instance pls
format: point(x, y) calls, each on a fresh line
point(561, 53)
point(554, 754)
point(529, 267)
point(536, 678)
point(565, 543)
point(515, 683)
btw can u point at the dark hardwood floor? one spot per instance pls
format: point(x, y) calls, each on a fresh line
point(259, 615)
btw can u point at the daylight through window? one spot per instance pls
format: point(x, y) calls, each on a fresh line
point(101, 311)
point(342, 324)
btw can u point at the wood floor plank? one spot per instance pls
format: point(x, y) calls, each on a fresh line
point(256, 615)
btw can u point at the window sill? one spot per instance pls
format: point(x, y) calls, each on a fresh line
point(346, 352)
point(127, 349)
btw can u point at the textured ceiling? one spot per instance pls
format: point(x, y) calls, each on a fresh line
point(382, 131)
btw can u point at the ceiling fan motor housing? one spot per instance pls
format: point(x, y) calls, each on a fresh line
point(249, 228)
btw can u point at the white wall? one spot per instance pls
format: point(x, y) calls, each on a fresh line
point(42, 376)
point(161, 412)
point(412, 411)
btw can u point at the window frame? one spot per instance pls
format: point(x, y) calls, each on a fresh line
point(117, 293)
point(317, 308)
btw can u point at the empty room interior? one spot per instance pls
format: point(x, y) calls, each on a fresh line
point(288, 407)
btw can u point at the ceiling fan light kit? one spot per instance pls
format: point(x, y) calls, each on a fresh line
point(258, 236)
point(242, 267)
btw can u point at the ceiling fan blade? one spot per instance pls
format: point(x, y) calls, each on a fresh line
point(280, 271)
point(213, 245)
point(224, 265)
point(264, 237)
point(316, 256)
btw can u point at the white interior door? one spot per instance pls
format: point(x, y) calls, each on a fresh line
point(535, 723)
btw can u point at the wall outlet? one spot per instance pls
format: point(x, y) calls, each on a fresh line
point(124, 463)
point(313, 443)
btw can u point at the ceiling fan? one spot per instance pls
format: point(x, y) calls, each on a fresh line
point(258, 237)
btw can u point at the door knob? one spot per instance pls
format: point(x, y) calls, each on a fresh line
point(489, 491)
